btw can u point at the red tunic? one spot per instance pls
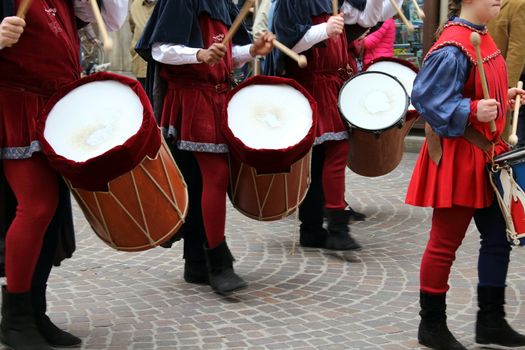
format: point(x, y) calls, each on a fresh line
point(461, 177)
point(323, 78)
point(46, 57)
point(196, 95)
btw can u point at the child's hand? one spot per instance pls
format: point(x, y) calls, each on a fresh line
point(213, 55)
point(263, 45)
point(11, 29)
point(335, 26)
point(513, 92)
point(487, 110)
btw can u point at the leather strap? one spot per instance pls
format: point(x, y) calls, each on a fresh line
point(473, 136)
point(433, 144)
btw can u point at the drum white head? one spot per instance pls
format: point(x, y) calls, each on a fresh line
point(373, 101)
point(269, 116)
point(92, 119)
point(404, 74)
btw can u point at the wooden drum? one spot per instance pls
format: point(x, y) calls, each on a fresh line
point(269, 123)
point(100, 134)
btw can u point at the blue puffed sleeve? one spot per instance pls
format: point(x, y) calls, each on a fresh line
point(438, 91)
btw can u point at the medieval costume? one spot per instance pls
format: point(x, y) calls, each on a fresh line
point(302, 25)
point(45, 58)
point(189, 113)
point(450, 176)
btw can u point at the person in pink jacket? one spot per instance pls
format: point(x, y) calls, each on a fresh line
point(380, 43)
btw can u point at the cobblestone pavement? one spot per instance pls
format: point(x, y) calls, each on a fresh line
point(310, 300)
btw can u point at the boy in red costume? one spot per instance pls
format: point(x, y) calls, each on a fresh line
point(183, 43)
point(450, 175)
point(36, 59)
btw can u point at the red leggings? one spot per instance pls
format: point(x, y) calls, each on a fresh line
point(335, 156)
point(215, 176)
point(35, 186)
point(448, 230)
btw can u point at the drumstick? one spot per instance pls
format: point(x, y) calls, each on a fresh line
point(420, 12)
point(300, 59)
point(513, 138)
point(335, 7)
point(238, 21)
point(22, 9)
point(476, 41)
point(408, 24)
point(108, 43)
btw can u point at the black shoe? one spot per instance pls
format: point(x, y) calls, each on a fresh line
point(18, 330)
point(355, 215)
point(196, 272)
point(53, 335)
point(221, 275)
point(491, 327)
point(433, 331)
point(312, 238)
point(339, 237)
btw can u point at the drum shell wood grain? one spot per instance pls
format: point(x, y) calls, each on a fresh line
point(378, 154)
point(268, 197)
point(142, 208)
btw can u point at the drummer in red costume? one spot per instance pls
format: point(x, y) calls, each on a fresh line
point(186, 39)
point(308, 27)
point(451, 177)
point(37, 57)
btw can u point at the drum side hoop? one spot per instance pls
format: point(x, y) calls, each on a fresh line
point(375, 131)
point(514, 157)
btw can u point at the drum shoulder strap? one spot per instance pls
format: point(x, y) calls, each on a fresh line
point(473, 136)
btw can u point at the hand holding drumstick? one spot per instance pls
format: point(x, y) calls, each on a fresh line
point(12, 27)
point(491, 103)
point(11, 30)
point(519, 95)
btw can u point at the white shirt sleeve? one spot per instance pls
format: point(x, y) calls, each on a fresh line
point(375, 11)
point(114, 12)
point(313, 36)
point(241, 55)
point(174, 54)
point(179, 54)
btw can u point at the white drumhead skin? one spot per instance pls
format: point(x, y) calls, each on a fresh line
point(373, 101)
point(92, 119)
point(269, 116)
point(404, 74)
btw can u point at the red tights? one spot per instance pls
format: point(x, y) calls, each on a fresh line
point(35, 186)
point(335, 156)
point(214, 171)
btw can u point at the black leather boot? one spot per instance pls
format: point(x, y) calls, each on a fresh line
point(339, 237)
point(355, 215)
point(51, 333)
point(313, 237)
point(491, 327)
point(312, 233)
point(18, 330)
point(433, 331)
point(196, 272)
point(221, 275)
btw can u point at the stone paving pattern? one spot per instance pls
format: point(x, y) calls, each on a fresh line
point(313, 299)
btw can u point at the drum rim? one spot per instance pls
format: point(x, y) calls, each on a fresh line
point(396, 60)
point(510, 157)
point(400, 121)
